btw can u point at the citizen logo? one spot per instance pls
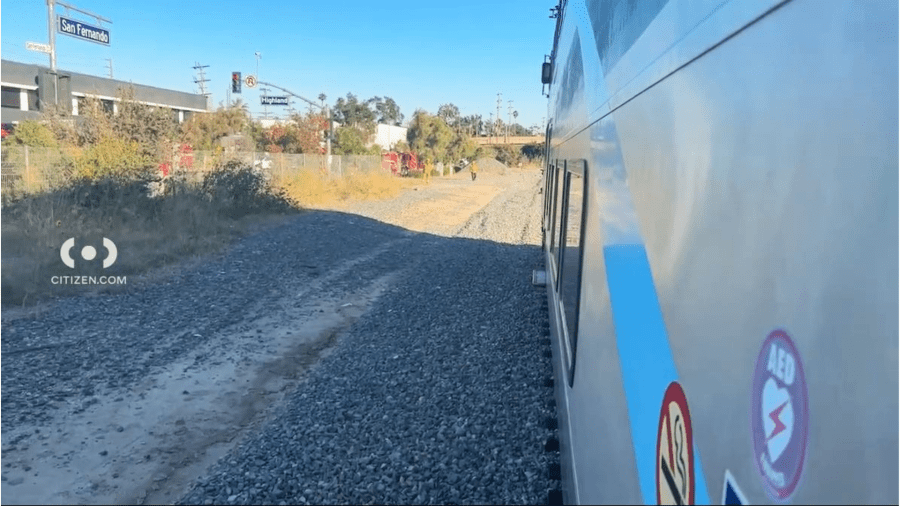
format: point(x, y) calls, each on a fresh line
point(88, 252)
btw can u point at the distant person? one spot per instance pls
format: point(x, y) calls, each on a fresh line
point(473, 168)
point(428, 168)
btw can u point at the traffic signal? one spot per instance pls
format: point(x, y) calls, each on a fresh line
point(235, 82)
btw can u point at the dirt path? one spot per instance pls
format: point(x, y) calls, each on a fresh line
point(443, 206)
point(450, 203)
point(145, 446)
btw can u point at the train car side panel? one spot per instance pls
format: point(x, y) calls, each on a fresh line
point(741, 185)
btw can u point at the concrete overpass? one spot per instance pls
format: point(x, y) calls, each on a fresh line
point(511, 141)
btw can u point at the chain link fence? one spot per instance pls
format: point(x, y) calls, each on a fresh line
point(33, 169)
point(27, 168)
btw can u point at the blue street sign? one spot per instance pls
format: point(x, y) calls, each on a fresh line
point(269, 100)
point(82, 31)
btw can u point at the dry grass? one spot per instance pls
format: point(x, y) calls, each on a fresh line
point(193, 221)
point(148, 232)
point(312, 188)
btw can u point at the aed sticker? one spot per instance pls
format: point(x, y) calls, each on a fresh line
point(674, 449)
point(779, 415)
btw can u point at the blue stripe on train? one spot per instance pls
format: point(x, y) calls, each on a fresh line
point(645, 358)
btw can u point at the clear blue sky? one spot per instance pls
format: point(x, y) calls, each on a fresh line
point(422, 54)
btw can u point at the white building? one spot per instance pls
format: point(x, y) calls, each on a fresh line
point(387, 136)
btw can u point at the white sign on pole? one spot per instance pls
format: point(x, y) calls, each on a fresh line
point(36, 46)
point(250, 81)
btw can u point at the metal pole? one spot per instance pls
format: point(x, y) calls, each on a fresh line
point(491, 130)
point(328, 139)
point(508, 120)
point(258, 56)
point(52, 34)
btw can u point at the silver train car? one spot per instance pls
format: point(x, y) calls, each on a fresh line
point(721, 247)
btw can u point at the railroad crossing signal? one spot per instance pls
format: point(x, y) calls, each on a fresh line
point(235, 82)
point(250, 81)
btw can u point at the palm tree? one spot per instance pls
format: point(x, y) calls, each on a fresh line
point(240, 104)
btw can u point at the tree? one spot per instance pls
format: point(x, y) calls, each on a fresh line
point(96, 123)
point(472, 125)
point(518, 130)
point(116, 146)
point(429, 136)
point(310, 132)
point(450, 114)
point(350, 140)
point(301, 134)
point(352, 112)
point(387, 111)
point(204, 129)
point(153, 128)
point(239, 104)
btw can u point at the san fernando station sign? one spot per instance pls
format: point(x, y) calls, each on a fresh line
point(82, 31)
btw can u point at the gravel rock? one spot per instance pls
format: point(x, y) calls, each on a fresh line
point(489, 165)
point(435, 395)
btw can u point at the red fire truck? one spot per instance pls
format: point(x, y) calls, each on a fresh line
point(182, 158)
point(401, 163)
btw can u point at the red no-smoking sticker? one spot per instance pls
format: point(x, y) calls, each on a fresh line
point(675, 449)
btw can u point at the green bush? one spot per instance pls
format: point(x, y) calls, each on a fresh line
point(32, 133)
point(113, 157)
point(241, 190)
point(507, 155)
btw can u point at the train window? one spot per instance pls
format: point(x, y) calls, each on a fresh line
point(572, 231)
point(548, 186)
point(557, 215)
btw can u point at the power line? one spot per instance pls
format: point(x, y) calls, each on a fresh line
point(203, 80)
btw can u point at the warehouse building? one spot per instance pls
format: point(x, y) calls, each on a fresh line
point(28, 88)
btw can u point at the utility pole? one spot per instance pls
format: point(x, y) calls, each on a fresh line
point(258, 55)
point(52, 34)
point(491, 131)
point(508, 120)
point(109, 64)
point(265, 93)
point(203, 80)
point(497, 124)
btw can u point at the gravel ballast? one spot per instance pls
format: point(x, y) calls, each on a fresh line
point(436, 393)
